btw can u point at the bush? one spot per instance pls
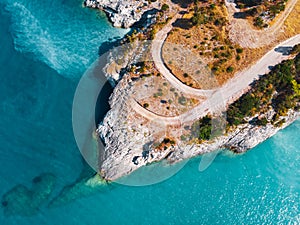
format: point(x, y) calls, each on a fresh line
point(152, 34)
point(182, 100)
point(262, 122)
point(199, 18)
point(229, 69)
point(258, 21)
point(215, 69)
point(296, 49)
point(284, 80)
point(166, 140)
point(165, 7)
point(202, 128)
point(239, 50)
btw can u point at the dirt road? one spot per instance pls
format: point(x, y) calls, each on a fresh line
point(229, 92)
point(242, 33)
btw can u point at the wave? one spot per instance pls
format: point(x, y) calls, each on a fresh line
point(57, 35)
point(30, 37)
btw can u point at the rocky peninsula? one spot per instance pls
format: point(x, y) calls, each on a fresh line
point(131, 140)
point(156, 115)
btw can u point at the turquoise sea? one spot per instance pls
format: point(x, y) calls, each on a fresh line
point(45, 48)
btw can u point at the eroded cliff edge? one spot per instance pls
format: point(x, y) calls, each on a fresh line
point(133, 141)
point(123, 13)
point(136, 135)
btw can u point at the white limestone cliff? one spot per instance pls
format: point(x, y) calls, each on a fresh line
point(123, 13)
point(128, 143)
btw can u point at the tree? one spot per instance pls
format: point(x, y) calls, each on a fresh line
point(229, 69)
point(258, 21)
point(165, 7)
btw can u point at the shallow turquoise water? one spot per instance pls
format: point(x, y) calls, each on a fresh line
point(44, 51)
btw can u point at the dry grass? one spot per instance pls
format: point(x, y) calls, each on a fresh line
point(212, 44)
point(157, 95)
point(199, 40)
point(292, 23)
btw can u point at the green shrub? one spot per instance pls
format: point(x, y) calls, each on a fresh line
point(202, 129)
point(182, 100)
point(229, 69)
point(284, 80)
point(296, 49)
point(239, 50)
point(262, 122)
point(258, 21)
point(165, 7)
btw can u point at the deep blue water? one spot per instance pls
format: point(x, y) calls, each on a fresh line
point(45, 48)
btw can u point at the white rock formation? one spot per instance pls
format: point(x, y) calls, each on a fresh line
point(129, 139)
point(123, 13)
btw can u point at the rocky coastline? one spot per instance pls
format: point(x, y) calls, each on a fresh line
point(129, 139)
point(124, 155)
point(123, 14)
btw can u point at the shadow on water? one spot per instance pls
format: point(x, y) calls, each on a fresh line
point(108, 45)
point(102, 105)
point(143, 23)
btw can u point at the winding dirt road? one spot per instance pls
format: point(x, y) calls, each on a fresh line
point(218, 99)
point(156, 51)
point(228, 93)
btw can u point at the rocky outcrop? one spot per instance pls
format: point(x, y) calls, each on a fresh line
point(129, 139)
point(123, 13)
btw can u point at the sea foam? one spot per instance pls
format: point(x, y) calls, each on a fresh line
point(67, 46)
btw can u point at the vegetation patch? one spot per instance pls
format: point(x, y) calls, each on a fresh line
point(166, 143)
point(202, 128)
point(278, 90)
point(261, 13)
point(204, 30)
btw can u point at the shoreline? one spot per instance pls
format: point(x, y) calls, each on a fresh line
point(123, 14)
point(123, 156)
point(118, 163)
point(197, 151)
